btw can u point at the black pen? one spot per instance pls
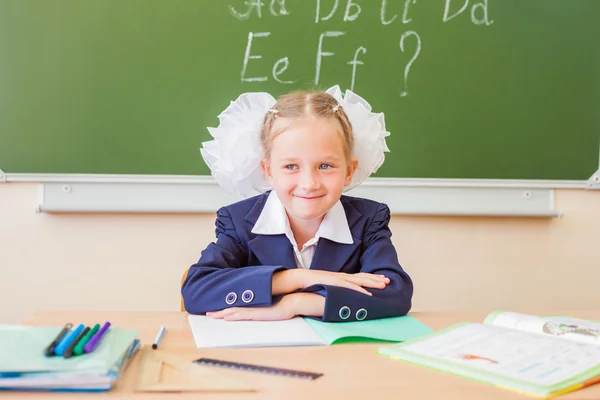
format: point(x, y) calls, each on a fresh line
point(50, 349)
point(69, 350)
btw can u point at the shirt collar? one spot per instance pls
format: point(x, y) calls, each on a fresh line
point(273, 220)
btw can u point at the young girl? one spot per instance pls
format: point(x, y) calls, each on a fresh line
point(301, 247)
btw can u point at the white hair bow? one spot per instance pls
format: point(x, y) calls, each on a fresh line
point(235, 152)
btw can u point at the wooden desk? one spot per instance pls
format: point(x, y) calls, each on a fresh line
point(351, 371)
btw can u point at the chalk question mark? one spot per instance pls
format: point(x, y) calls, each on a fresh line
point(412, 60)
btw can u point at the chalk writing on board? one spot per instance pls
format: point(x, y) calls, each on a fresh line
point(483, 6)
point(412, 60)
point(331, 13)
point(278, 71)
point(279, 67)
point(349, 7)
point(405, 19)
point(282, 10)
point(321, 53)
point(248, 57)
point(256, 6)
point(354, 63)
point(382, 13)
point(410, 42)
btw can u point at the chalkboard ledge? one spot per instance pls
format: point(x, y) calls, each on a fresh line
point(75, 193)
point(594, 181)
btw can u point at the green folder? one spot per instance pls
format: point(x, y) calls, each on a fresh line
point(394, 329)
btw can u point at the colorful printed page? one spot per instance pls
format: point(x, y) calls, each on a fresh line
point(579, 330)
point(522, 361)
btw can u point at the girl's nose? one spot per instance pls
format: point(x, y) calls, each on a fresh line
point(308, 180)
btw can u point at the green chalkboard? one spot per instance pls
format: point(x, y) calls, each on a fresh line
point(470, 89)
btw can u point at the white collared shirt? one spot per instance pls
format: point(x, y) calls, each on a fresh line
point(273, 220)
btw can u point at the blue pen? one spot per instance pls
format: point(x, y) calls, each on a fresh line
point(64, 337)
point(62, 346)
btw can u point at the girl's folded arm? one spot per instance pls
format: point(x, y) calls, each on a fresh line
point(379, 257)
point(220, 279)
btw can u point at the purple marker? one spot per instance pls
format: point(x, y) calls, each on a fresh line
point(93, 343)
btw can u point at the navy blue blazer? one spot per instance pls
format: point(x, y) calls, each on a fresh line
point(237, 269)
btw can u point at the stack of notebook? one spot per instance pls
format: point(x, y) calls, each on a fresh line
point(24, 365)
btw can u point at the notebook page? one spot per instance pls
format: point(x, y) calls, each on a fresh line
point(579, 330)
point(538, 359)
point(212, 333)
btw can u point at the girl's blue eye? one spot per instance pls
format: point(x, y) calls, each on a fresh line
point(325, 166)
point(291, 167)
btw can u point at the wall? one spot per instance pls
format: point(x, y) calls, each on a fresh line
point(135, 262)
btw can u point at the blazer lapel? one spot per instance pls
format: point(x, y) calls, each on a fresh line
point(333, 256)
point(273, 250)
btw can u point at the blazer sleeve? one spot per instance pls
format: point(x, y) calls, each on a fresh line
point(379, 257)
point(221, 278)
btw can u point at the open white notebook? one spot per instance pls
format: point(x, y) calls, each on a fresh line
point(212, 333)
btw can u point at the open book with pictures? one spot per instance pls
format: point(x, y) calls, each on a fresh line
point(538, 356)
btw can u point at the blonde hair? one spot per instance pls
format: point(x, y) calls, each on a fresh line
point(306, 103)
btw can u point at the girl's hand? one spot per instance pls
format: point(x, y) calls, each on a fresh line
point(295, 279)
point(278, 312)
point(308, 304)
point(356, 282)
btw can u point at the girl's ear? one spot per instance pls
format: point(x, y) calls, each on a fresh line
point(351, 168)
point(266, 167)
